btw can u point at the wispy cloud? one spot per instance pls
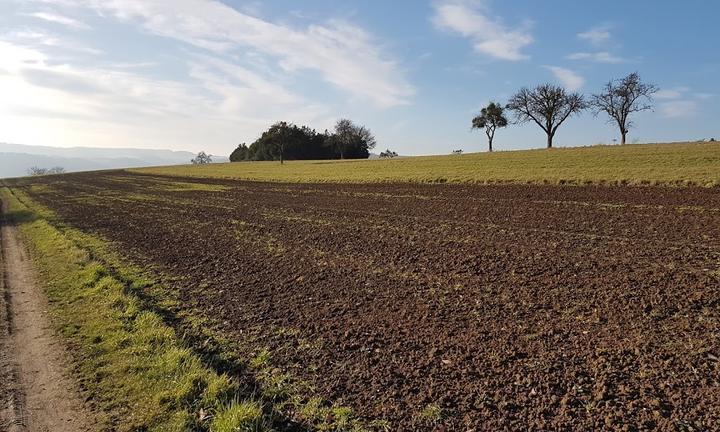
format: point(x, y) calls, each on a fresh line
point(678, 108)
point(219, 104)
point(596, 35)
point(597, 57)
point(489, 35)
point(570, 79)
point(672, 93)
point(60, 19)
point(40, 38)
point(677, 102)
point(340, 52)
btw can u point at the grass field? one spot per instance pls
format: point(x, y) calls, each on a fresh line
point(676, 164)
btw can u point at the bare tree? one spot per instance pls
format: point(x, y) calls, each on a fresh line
point(343, 135)
point(201, 159)
point(352, 140)
point(547, 105)
point(56, 170)
point(491, 117)
point(37, 171)
point(620, 98)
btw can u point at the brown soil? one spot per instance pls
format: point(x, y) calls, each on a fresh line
point(35, 392)
point(508, 307)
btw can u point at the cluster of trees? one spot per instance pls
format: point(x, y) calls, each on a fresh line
point(286, 141)
point(388, 154)
point(37, 171)
point(549, 105)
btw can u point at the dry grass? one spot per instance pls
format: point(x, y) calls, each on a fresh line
point(675, 164)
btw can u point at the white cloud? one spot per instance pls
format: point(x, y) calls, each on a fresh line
point(40, 38)
point(60, 19)
point(672, 93)
point(678, 108)
point(571, 80)
point(678, 102)
point(597, 35)
point(240, 74)
point(340, 52)
point(470, 19)
point(597, 57)
point(50, 102)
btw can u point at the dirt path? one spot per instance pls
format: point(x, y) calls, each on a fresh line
point(35, 391)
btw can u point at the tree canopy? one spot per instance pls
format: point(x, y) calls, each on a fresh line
point(620, 98)
point(490, 118)
point(546, 105)
point(352, 141)
point(286, 141)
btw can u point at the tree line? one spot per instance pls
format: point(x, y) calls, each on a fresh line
point(549, 106)
point(37, 171)
point(287, 141)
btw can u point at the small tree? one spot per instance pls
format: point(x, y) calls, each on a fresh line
point(56, 170)
point(342, 138)
point(546, 105)
point(620, 98)
point(37, 171)
point(388, 154)
point(279, 134)
point(201, 159)
point(491, 117)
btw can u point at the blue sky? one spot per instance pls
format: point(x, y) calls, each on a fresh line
point(207, 75)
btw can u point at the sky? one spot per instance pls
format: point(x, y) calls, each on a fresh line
point(210, 74)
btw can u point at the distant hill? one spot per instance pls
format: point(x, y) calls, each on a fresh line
point(16, 159)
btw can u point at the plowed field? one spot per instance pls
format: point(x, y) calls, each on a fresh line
point(438, 306)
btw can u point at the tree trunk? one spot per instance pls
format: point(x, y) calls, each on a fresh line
point(623, 135)
point(549, 140)
point(490, 140)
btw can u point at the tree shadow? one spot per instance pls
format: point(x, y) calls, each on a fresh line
point(17, 217)
point(212, 353)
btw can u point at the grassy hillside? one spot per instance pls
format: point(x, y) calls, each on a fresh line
point(666, 164)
